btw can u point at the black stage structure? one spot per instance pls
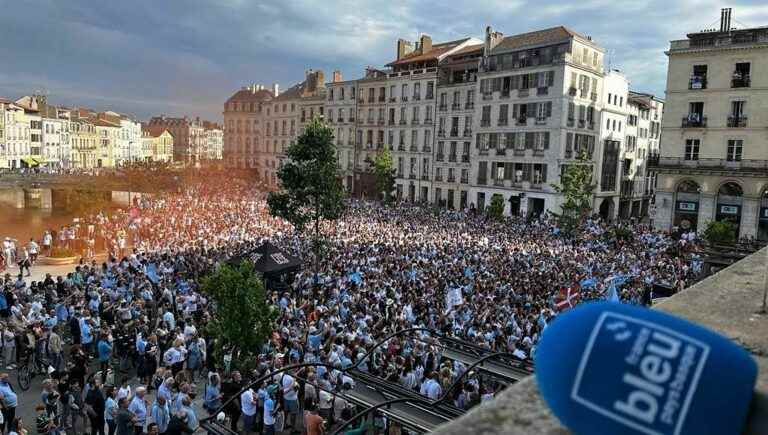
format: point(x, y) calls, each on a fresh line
point(276, 266)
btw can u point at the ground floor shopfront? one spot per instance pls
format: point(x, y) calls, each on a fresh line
point(690, 201)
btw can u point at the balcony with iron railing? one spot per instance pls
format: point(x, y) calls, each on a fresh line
point(504, 94)
point(416, 97)
point(570, 122)
point(415, 121)
point(442, 108)
point(697, 82)
point(465, 158)
point(425, 177)
point(380, 122)
point(451, 178)
point(503, 122)
point(370, 120)
point(426, 148)
point(543, 90)
point(694, 120)
point(483, 151)
point(486, 122)
point(454, 132)
point(392, 99)
point(467, 132)
point(519, 152)
point(522, 93)
point(351, 119)
point(414, 148)
point(487, 96)
point(440, 157)
point(456, 106)
point(391, 121)
point(441, 133)
point(412, 176)
point(381, 99)
point(340, 119)
point(403, 121)
point(709, 164)
point(429, 96)
point(521, 121)
point(401, 147)
point(469, 105)
point(452, 158)
point(541, 120)
point(499, 182)
point(464, 180)
point(737, 121)
point(482, 181)
point(428, 121)
point(501, 151)
point(439, 177)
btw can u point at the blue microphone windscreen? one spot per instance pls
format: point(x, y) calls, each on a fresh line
point(607, 368)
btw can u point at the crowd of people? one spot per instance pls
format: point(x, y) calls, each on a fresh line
point(122, 347)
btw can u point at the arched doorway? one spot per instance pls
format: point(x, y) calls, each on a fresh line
point(762, 226)
point(729, 200)
point(606, 209)
point(687, 197)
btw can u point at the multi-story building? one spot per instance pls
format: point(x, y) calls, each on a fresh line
point(714, 159)
point(340, 113)
point(55, 137)
point(188, 136)
point(371, 126)
point(16, 136)
point(214, 141)
point(84, 140)
point(411, 80)
point(456, 99)
point(538, 110)
point(286, 114)
point(31, 105)
point(108, 134)
point(245, 126)
point(3, 145)
point(157, 144)
point(643, 130)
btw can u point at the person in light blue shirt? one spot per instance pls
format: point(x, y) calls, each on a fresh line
point(138, 408)
point(8, 399)
point(110, 410)
point(161, 413)
point(104, 349)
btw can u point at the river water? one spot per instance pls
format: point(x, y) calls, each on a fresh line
point(23, 223)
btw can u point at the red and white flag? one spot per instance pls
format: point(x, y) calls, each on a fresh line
point(567, 298)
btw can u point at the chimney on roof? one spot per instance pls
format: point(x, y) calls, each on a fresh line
point(425, 42)
point(276, 89)
point(404, 48)
point(725, 19)
point(336, 76)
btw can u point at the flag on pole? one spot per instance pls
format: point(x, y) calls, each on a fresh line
point(611, 294)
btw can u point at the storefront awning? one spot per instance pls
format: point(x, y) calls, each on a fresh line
point(30, 161)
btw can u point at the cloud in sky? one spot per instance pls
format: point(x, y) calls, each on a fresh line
point(180, 57)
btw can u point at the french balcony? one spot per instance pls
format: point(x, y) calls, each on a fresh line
point(470, 105)
point(499, 183)
point(414, 148)
point(439, 178)
point(501, 151)
point(392, 99)
point(412, 176)
point(401, 147)
point(571, 122)
point(403, 121)
point(428, 121)
point(504, 94)
point(425, 177)
point(467, 132)
point(454, 132)
point(697, 82)
point(485, 123)
point(465, 158)
point(405, 98)
point(541, 120)
point(442, 108)
point(441, 133)
point(426, 149)
point(740, 82)
point(451, 178)
point(440, 157)
point(456, 106)
point(464, 180)
point(370, 120)
point(487, 96)
point(351, 119)
point(694, 120)
point(544, 90)
point(430, 96)
point(503, 122)
point(519, 152)
point(452, 158)
point(381, 99)
point(522, 121)
point(391, 122)
point(522, 93)
point(737, 121)
point(417, 97)
point(340, 120)
point(415, 121)
point(482, 181)
point(538, 153)
point(483, 151)
point(381, 122)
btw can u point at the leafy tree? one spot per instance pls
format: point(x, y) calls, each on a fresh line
point(576, 187)
point(496, 209)
point(383, 168)
point(243, 320)
point(311, 186)
point(720, 233)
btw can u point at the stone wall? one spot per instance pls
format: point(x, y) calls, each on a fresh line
point(728, 302)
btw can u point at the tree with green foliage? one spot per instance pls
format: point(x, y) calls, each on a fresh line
point(576, 187)
point(720, 233)
point(311, 185)
point(496, 209)
point(383, 168)
point(243, 320)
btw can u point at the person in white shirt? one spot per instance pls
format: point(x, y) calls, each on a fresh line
point(248, 406)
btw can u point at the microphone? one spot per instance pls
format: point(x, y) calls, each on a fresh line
point(607, 368)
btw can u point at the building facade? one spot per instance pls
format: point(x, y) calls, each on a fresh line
point(214, 141)
point(714, 155)
point(157, 144)
point(17, 146)
point(341, 114)
point(84, 140)
point(643, 131)
point(245, 114)
point(188, 136)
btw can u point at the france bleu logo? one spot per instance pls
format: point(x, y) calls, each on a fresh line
point(639, 374)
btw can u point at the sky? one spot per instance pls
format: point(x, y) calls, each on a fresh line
point(186, 57)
